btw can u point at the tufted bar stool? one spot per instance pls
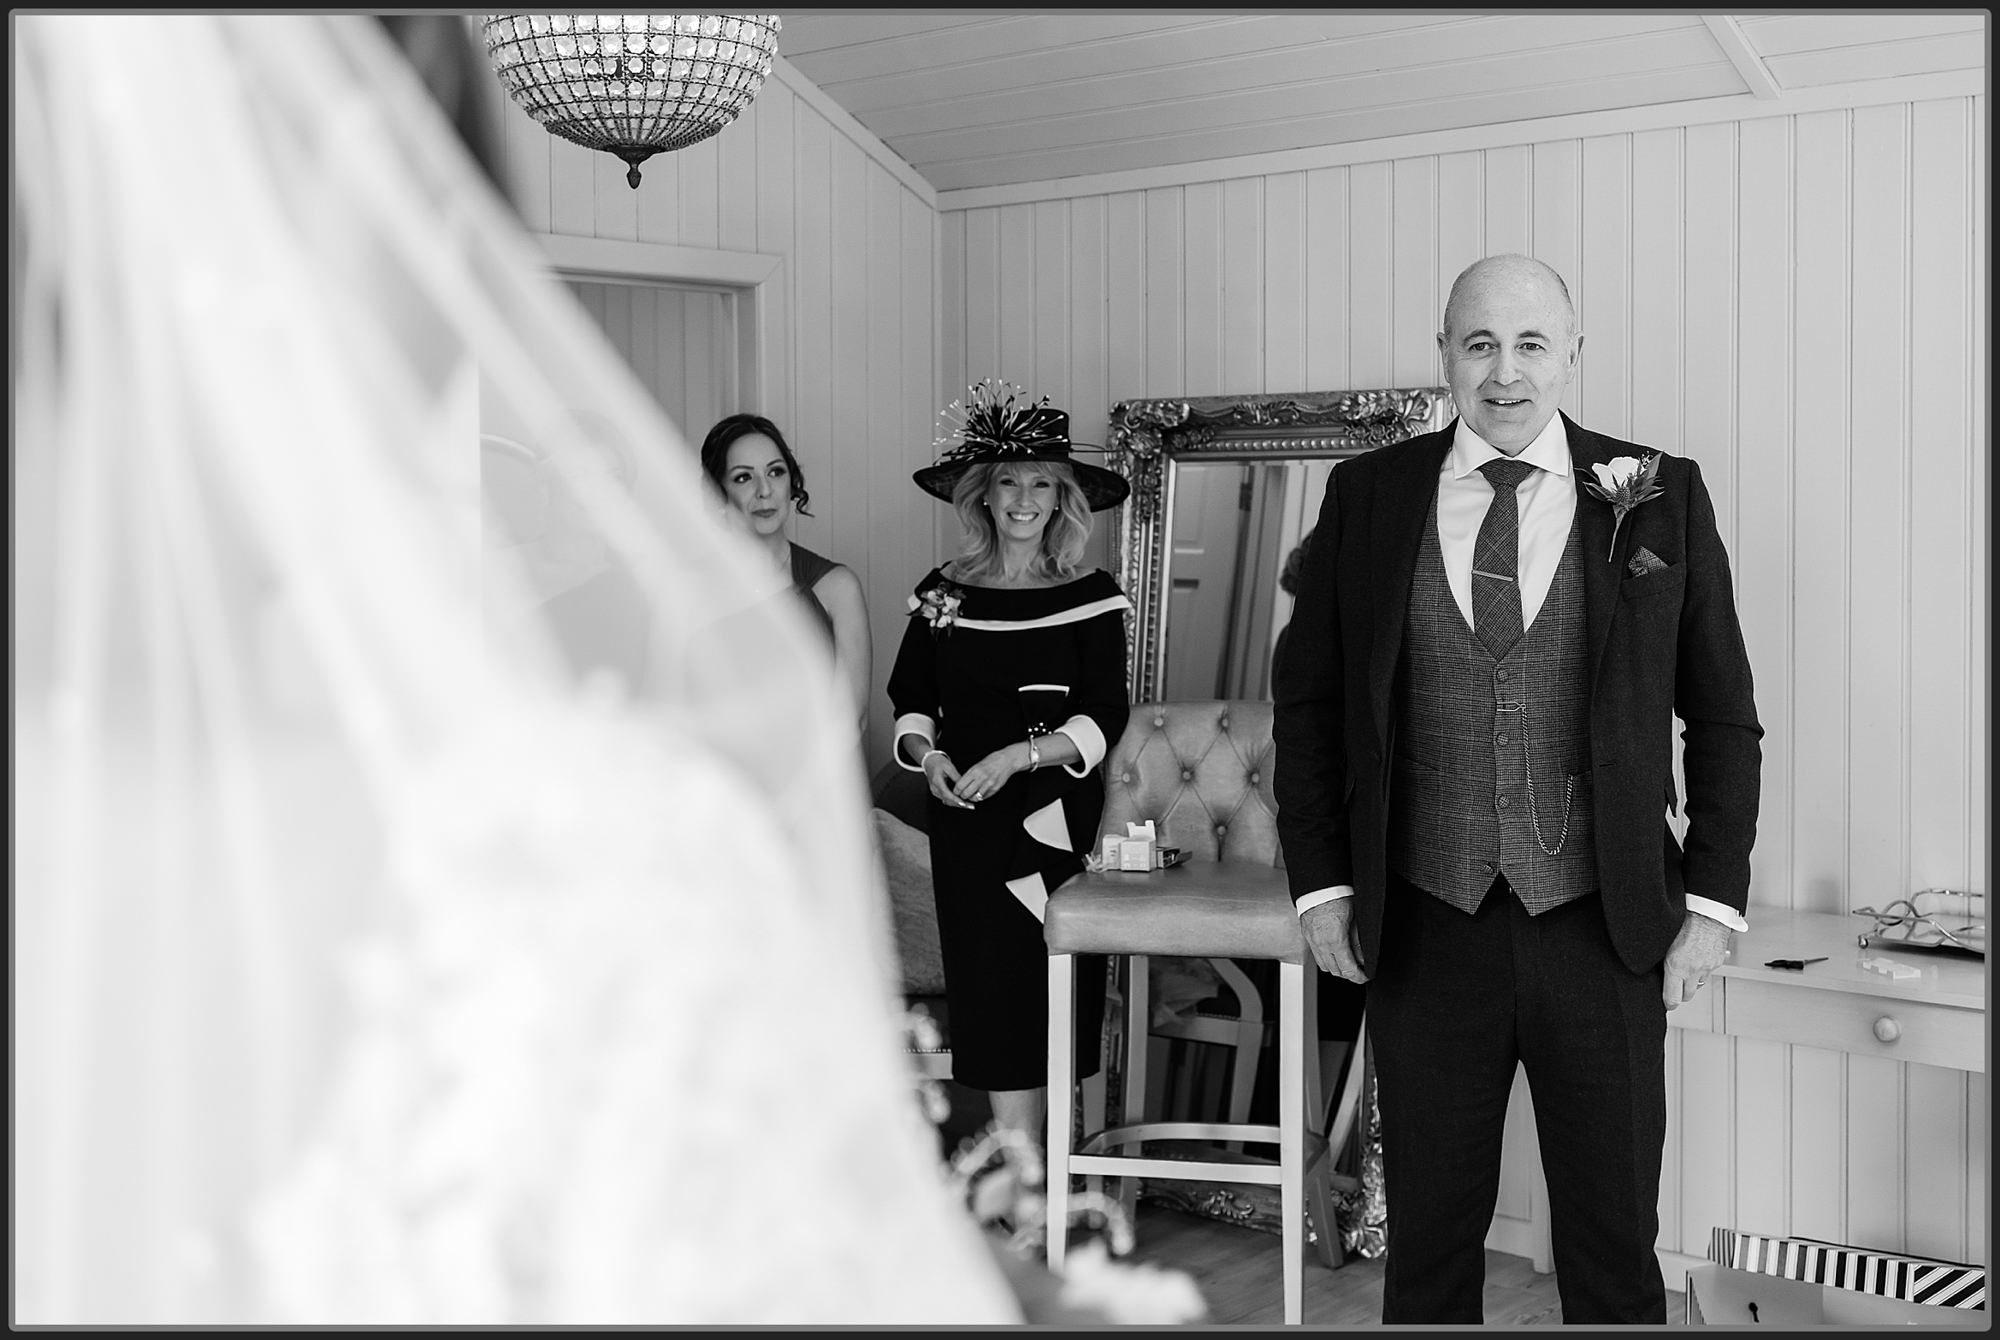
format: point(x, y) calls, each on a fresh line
point(1202, 772)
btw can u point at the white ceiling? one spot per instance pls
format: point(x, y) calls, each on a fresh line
point(977, 98)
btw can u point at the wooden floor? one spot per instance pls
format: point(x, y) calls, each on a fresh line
point(1240, 1274)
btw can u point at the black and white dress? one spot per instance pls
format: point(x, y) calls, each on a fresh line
point(978, 667)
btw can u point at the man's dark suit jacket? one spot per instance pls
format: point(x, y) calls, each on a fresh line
point(1660, 645)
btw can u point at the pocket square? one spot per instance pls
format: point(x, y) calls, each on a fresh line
point(1644, 561)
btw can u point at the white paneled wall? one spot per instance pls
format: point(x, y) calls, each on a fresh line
point(854, 386)
point(1796, 302)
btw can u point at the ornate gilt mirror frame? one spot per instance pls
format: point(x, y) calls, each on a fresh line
point(1149, 436)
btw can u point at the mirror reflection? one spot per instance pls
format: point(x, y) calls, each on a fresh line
point(1234, 528)
point(1224, 490)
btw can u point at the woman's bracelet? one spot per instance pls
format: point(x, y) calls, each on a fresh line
point(927, 758)
point(1034, 753)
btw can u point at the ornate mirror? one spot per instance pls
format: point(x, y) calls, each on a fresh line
point(1223, 490)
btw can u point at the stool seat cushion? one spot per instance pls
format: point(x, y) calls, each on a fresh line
point(1220, 909)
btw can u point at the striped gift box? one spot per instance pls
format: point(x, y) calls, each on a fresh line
point(1912, 1279)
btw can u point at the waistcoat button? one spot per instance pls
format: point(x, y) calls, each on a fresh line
point(1503, 802)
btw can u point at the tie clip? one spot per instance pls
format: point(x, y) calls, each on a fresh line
point(1496, 576)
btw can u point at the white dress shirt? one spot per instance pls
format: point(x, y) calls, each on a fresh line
point(1547, 503)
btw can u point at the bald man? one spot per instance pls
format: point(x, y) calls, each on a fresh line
point(1475, 773)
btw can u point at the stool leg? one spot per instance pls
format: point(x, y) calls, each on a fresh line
point(1061, 1104)
point(1291, 1132)
point(1138, 1032)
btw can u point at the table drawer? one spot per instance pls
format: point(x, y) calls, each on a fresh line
point(1940, 1035)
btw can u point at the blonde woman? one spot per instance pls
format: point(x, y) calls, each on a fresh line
point(1009, 688)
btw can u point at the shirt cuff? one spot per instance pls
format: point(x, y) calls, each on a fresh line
point(1318, 896)
point(1089, 742)
point(1721, 912)
point(919, 725)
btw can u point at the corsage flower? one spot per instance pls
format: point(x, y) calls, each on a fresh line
point(1625, 483)
point(939, 606)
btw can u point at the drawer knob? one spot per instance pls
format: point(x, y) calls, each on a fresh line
point(1887, 1029)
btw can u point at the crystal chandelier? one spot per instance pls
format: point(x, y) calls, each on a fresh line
point(633, 85)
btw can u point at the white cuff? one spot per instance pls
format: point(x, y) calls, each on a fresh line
point(1721, 912)
point(1089, 742)
point(919, 725)
point(1318, 896)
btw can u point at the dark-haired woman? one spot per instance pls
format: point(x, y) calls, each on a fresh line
point(1009, 688)
point(749, 461)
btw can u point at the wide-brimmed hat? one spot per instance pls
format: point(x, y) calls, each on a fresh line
point(997, 422)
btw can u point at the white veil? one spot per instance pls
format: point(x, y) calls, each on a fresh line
point(384, 949)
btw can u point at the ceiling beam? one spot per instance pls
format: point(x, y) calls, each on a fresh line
point(1729, 36)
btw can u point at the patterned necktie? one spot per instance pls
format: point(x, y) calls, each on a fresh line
point(1496, 590)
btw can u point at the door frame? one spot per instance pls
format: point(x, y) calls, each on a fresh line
point(748, 277)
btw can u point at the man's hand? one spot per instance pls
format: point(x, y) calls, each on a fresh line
point(1696, 952)
point(1329, 933)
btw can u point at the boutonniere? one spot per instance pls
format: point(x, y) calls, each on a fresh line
point(1625, 483)
point(938, 606)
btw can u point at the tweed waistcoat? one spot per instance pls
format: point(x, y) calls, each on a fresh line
point(1492, 758)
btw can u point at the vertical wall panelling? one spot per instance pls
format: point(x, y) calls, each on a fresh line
point(912, 435)
point(1201, 279)
point(951, 307)
point(1823, 528)
point(1933, 1176)
point(1017, 296)
point(1243, 270)
point(1285, 244)
point(812, 322)
point(1461, 240)
point(1371, 274)
point(1416, 296)
point(777, 235)
point(1708, 1162)
point(1507, 202)
point(1877, 412)
point(1166, 313)
point(1602, 286)
point(699, 195)
point(1704, 314)
point(1090, 399)
point(1943, 499)
point(844, 473)
point(1765, 574)
point(1876, 1149)
point(1556, 224)
point(1818, 1145)
point(1050, 284)
point(884, 564)
point(1658, 287)
point(1976, 1171)
point(1758, 1140)
point(615, 213)
point(1127, 329)
point(982, 301)
point(1329, 253)
point(736, 182)
point(573, 188)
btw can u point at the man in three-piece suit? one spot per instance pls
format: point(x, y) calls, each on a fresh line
point(1475, 770)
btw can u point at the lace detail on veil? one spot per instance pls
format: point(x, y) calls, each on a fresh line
point(596, 1119)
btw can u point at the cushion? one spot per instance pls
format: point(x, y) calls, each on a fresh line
point(906, 861)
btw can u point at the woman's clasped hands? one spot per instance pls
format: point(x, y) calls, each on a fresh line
point(963, 790)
